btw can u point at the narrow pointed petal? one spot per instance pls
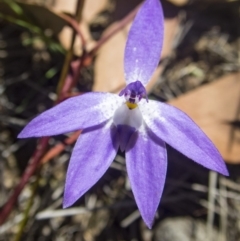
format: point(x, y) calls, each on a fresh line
point(179, 131)
point(91, 157)
point(144, 43)
point(146, 160)
point(73, 114)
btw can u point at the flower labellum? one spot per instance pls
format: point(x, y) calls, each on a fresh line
point(138, 126)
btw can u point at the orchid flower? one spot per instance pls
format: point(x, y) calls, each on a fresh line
point(128, 121)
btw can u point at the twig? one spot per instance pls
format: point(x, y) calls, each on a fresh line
point(74, 24)
point(57, 149)
point(23, 223)
point(12, 120)
point(61, 213)
point(211, 202)
point(130, 219)
point(230, 184)
point(227, 194)
point(223, 210)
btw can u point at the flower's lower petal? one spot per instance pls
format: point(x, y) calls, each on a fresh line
point(146, 160)
point(124, 133)
point(91, 157)
point(73, 114)
point(178, 130)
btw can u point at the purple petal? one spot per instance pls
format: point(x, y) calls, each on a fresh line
point(73, 114)
point(124, 133)
point(179, 131)
point(146, 160)
point(144, 43)
point(91, 157)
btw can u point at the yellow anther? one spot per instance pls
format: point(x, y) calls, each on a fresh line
point(131, 105)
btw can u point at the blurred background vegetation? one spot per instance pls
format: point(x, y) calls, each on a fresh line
point(53, 49)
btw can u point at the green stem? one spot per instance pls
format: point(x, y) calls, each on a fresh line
point(23, 223)
point(69, 54)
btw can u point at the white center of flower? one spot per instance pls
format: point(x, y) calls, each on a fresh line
point(130, 117)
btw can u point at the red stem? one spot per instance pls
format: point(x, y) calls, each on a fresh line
point(75, 27)
point(121, 24)
point(31, 168)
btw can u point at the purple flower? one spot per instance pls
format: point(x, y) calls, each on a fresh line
point(138, 126)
